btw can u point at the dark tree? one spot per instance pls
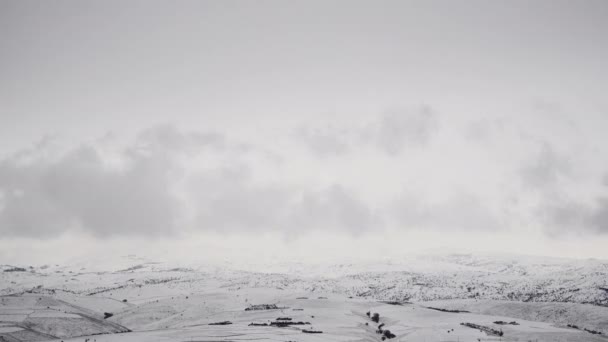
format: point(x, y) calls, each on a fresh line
point(376, 317)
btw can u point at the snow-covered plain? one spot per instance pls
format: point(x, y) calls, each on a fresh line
point(147, 300)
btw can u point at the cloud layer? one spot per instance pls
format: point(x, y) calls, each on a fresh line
point(401, 170)
point(152, 187)
point(42, 198)
point(392, 132)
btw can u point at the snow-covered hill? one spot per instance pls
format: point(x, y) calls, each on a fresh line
point(144, 294)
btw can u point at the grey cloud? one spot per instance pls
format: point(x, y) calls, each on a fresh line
point(400, 128)
point(148, 193)
point(547, 174)
point(168, 137)
point(390, 132)
point(230, 200)
point(599, 217)
point(605, 179)
point(553, 113)
point(461, 211)
point(483, 130)
point(327, 141)
point(334, 208)
point(563, 215)
point(568, 217)
point(44, 198)
point(546, 169)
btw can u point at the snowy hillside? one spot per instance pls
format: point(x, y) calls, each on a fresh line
point(88, 298)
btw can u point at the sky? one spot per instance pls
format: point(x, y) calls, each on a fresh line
point(302, 130)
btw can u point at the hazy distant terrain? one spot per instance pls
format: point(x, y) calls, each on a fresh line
point(417, 299)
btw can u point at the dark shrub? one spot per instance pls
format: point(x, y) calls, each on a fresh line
point(376, 317)
point(388, 334)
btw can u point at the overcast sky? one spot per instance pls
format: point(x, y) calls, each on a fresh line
point(303, 128)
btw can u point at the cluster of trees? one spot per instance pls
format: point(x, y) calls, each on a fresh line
point(485, 329)
point(591, 331)
point(306, 331)
point(221, 323)
point(386, 334)
point(375, 317)
point(262, 307)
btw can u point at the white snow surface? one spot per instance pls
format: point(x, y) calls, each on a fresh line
point(151, 300)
